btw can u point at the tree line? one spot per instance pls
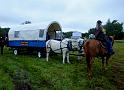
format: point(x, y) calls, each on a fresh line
point(4, 32)
point(113, 28)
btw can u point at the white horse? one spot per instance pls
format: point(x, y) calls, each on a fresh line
point(92, 36)
point(80, 49)
point(63, 47)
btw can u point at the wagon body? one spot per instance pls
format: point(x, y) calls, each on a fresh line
point(33, 36)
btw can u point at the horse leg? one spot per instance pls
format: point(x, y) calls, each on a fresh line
point(47, 51)
point(107, 59)
point(103, 63)
point(89, 66)
point(47, 56)
point(68, 57)
point(64, 54)
point(79, 57)
point(1, 50)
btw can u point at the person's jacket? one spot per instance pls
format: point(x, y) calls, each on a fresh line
point(99, 34)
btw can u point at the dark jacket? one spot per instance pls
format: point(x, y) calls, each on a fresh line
point(99, 34)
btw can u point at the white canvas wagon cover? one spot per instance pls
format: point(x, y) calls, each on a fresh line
point(34, 31)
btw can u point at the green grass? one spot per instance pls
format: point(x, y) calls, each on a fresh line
point(28, 71)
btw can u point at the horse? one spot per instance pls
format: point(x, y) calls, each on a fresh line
point(94, 48)
point(91, 36)
point(61, 47)
point(2, 43)
point(80, 49)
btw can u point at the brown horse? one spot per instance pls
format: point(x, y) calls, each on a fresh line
point(94, 48)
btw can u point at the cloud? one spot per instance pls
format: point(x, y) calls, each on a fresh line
point(77, 14)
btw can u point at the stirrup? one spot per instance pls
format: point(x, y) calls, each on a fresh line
point(112, 53)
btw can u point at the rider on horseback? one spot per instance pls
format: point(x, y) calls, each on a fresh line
point(101, 36)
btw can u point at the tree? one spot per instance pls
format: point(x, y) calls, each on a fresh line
point(92, 31)
point(114, 28)
point(4, 32)
point(67, 34)
point(85, 35)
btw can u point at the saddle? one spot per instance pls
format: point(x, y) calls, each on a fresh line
point(101, 40)
point(103, 44)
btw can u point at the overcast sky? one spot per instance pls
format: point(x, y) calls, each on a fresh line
point(80, 15)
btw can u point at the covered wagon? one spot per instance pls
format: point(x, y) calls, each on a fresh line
point(33, 36)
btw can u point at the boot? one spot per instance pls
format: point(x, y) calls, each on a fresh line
point(111, 53)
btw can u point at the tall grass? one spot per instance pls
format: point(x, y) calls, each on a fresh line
point(29, 72)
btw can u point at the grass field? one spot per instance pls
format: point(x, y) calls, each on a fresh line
point(27, 72)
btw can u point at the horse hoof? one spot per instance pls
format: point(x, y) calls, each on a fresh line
point(103, 68)
point(106, 69)
point(89, 77)
point(47, 60)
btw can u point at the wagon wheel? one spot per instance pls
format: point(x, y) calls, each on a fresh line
point(39, 54)
point(15, 52)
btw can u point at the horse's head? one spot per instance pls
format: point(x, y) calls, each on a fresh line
point(80, 42)
point(74, 44)
point(77, 43)
point(71, 43)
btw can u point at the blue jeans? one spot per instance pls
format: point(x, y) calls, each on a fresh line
point(109, 46)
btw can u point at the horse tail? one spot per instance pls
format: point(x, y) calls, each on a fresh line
point(87, 52)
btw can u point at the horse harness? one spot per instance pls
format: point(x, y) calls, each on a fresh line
point(69, 46)
point(80, 44)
